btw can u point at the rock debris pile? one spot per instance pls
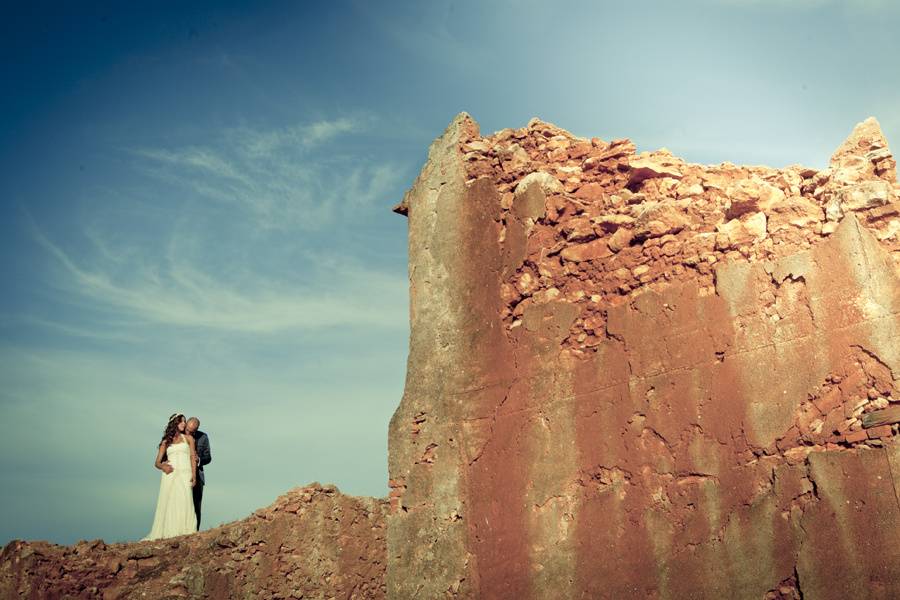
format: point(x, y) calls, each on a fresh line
point(313, 542)
point(590, 221)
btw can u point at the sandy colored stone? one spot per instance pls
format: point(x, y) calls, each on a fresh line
point(751, 195)
point(738, 232)
point(651, 166)
point(866, 152)
point(656, 219)
point(865, 195)
point(547, 182)
point(795, 211)
point(620, 239)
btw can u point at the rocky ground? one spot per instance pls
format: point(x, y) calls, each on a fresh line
point(312, 542)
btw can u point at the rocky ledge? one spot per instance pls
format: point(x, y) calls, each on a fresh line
point(312, 542)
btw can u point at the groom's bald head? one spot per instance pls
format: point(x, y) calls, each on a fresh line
point(193, 424)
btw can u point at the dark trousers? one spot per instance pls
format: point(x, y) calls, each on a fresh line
point(198, 498)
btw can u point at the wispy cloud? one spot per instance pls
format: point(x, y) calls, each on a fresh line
point(177, 292)
point(284, 178)
point(304, 136)
point(66, 329)
point(253, 261)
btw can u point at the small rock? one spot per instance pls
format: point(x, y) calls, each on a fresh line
point(477, 145)
point(547, 182)
point(795, 211)
point(592, 192)
point(756, 226)
point(656, 219)
point(738, 232)
point(514, 158)
point(689, 191)
point(114, 565)
point(750, 196)
point(579, 229)
point(865, 195)
point(612, 222)
point(620, 239)
point(588, 251)
point(884, 212)
point(292, 507)
point(141, 552)
point(650, 167)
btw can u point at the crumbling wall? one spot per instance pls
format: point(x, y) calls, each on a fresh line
point(313, 542)
point(630, 376)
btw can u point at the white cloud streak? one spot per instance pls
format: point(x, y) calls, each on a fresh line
point(180, 294)
point(68, 330)
point(270, 182)
point(284, 178)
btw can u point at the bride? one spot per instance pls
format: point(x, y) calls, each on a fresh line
point(177, 460)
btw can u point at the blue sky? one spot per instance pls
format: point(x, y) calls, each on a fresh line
point(196, 206)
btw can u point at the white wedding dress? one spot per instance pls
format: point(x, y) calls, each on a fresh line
point(175, 506)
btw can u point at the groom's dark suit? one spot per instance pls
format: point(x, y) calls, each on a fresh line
point(201, 442)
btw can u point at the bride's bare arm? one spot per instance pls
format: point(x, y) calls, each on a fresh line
point(159, 464)
point(191, 444)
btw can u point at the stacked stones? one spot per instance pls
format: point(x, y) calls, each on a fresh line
point(592, 222)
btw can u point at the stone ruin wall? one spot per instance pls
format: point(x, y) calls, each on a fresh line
point(634, 377)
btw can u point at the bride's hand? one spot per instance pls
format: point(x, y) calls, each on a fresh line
point(167, 468)
point(193, 481)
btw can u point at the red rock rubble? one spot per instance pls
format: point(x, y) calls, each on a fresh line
point(313, 542)
point(605, 221)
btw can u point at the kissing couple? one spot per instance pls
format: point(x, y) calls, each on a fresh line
point(182, 454)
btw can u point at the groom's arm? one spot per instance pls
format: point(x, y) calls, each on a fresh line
point(203, 450)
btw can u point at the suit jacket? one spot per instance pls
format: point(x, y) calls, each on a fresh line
point(201, 442)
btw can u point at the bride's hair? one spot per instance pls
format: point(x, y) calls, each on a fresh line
point(171, 429)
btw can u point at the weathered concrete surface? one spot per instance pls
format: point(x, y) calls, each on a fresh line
point(452, 224)
point(313, 542)
point(634, 377)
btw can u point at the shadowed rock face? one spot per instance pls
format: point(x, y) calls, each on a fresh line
point(312, 542)
point(630, 376)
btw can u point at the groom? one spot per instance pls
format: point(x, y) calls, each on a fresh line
point(201, 441)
